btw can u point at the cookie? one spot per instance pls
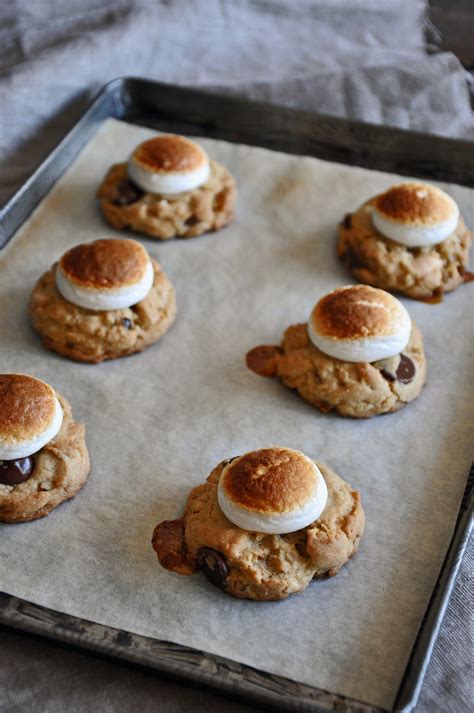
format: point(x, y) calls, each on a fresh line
point(423, 266)
point(251, 564)
point(368, 372)
point(43, 455)
point(123, 302)
point(169, 188)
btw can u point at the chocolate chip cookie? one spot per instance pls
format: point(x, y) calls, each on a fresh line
point(357, 389)
point(258, 565)
point(422, 272)
point(92, 336)
point(184, 215)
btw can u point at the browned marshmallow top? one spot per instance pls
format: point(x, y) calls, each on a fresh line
point(28, 407)
point(355, 311)
point(105, 263)
point(414, 204)
point(170, 153)
point(269, 480)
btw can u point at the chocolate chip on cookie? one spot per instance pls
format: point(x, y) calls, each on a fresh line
point(401, 368)
point(214, 566)
point(406, 370)
point(13, 472)
point(389, 375)
point(354, 259)
point(127, 193)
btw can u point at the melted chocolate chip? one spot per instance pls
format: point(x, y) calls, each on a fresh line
point(353, 259)
point(127, 193)
point(406, 369)
point(405, 372)
point(214, 566)
point(127, 323)
point(13, 472)
point(347, 222)
point(263, 359)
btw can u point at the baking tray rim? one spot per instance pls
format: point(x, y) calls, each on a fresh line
point(172, 659)
point(111, 100)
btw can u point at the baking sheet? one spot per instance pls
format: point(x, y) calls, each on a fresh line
point(158, 422)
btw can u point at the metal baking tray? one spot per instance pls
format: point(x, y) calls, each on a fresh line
point(189, 111)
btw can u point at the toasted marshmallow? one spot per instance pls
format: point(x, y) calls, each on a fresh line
point(359, 323)
point(105, 274)
point(272, 490)
point(168, 164)
point(30, 415)
point(415, 214)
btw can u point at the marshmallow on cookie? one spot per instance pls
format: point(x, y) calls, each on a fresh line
point(410, 239)
point(105, 274)
point(103, 300)
point(359, 354)
point(359, 323)
point(415, 214)
point(263, 525)
point(275, 490)
point(168, 188)
point(168, 164)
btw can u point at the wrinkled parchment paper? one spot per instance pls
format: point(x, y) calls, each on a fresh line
point(159, 421)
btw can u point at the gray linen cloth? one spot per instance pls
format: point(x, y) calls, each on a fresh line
point(361, 59)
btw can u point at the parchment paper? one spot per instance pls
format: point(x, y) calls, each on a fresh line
point(158, 422)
